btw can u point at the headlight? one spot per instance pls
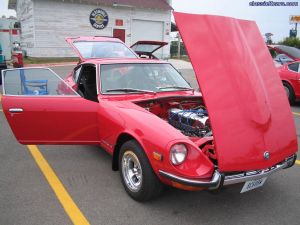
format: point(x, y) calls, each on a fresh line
point(178, 153)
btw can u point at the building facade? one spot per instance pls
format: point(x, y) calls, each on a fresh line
point(46, 23)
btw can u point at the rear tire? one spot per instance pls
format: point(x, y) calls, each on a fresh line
point(289, 92)
point(137, 175)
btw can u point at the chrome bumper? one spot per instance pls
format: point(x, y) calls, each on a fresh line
point(218, 180)
point(215, 182)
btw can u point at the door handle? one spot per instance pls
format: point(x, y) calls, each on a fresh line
point(15, 110)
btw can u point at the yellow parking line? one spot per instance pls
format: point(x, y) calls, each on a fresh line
point(298, 162)
point(63, 196)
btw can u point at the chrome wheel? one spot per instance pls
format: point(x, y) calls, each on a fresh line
point(287, 91)
point(132, 171)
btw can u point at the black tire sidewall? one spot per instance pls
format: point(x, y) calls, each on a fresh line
point(151, 186)
point(291, 97)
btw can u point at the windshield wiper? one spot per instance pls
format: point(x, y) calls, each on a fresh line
point(175, 87)
point(130, 90)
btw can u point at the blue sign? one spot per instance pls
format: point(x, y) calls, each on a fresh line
point(99, 19)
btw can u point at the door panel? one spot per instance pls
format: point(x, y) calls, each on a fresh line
point(42, 109)
point(52, 120)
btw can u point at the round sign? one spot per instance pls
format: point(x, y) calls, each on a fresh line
point(99, 19)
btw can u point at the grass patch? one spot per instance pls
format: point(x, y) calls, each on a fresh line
point(33, 60)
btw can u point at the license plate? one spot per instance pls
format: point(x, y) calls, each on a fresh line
point(252, 184)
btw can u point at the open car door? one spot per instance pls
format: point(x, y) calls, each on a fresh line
point(250, 116)
point(42, 109)
point(147, 48)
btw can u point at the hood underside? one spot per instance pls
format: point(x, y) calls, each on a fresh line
point(248, 108)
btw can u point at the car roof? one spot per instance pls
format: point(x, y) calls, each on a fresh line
point(123, 60)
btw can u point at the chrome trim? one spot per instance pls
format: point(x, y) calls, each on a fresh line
point(257, 174)
point(14, 110)
point(214, 183)
point(98, 78)
point(218, 180)
point(2, 78)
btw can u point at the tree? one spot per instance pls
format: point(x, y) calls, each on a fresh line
point(291, 41)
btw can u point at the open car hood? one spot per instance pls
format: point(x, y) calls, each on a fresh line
point(147, 47)
point(249, 112)
point(89, 47)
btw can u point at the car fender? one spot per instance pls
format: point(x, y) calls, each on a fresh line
point(155, 136)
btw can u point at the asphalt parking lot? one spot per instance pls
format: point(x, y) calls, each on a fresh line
point(93, 194)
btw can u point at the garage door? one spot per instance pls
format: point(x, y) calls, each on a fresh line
point(147, 30)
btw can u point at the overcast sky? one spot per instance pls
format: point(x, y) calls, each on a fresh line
point(269, 18)
point(273, 19)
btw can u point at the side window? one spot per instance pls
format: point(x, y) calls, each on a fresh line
point(34, 81)
point(76, 73)
point(294, 67)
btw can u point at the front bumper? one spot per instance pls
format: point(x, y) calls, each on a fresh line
point(218, 180)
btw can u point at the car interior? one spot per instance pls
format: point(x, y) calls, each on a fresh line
point(87, 86)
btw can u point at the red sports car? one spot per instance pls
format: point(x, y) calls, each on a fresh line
point(283, 53)
point(290, 76)
point(156, 127)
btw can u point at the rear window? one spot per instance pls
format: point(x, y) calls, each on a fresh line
point(145, 47)
point(98, 49)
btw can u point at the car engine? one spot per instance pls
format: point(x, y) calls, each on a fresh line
point(191, 122)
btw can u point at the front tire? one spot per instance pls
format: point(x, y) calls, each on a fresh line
point(290, 93)
point(137, 175)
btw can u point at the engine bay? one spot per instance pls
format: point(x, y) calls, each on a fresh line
point(191, 122)
point(188, 115)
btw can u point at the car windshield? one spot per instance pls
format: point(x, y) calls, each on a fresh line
point(139, 78)
point(98, 49)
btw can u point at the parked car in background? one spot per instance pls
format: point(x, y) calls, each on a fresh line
point(283, 54)
point(238, 130)
point(290, 75)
